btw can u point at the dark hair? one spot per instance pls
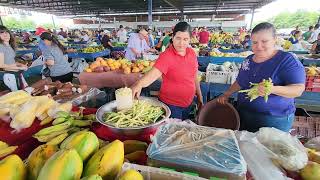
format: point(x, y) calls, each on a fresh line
point(296, 32)
point(310, 28)
point(12, 41)
point(120, 26)
point(182, 27)
point(247, 37)
point(264, 26)
point(50, 37)
point(316, 26)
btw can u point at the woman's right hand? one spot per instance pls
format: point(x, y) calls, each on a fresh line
point(136, 90)
point(223, 99)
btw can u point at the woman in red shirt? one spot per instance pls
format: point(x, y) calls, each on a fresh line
point(178, 67)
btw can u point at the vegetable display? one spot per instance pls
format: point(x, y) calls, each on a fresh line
point(141, 114)
point(253, 92)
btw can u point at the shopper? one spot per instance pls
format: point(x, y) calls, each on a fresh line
point(63, 33)
point(151, 38)
point(315, 33)
point(307, 35)
point(8, 54)
point(106, 40)
point(287, 74)
point(57, 66)
point(315, 49)
point(246, 43)
point(137, 45)
point(122, 34)
point(178, 67)
point(204, 36)
point(296, 37)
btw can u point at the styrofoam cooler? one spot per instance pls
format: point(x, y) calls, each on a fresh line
point(220, 77)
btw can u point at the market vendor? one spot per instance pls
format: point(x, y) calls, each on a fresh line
point(106, 40)
point(178, 67)
point(8, 54)
point(137, 45)
point(287, 74)
point(315, 49)
point(57, 65)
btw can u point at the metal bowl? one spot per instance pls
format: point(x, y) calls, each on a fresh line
point(111, 106)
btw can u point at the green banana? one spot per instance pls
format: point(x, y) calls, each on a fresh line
point(59, 120)
point(55, 128)
point(8, 150)
point(46, 121)
point(57, 140)
point(81, 123)
point(90, 117)
point(48, 137)
point(62, 114)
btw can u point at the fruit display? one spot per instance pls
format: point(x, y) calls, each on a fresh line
point(217, 38)
point(119, 44)
point(124, 65)
point(131, 174)
point(58, 90)
point(312, 71)
point(92, 49)
point(216, 53)
point(20, 109)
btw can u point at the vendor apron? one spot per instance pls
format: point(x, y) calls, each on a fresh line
point(252, 121)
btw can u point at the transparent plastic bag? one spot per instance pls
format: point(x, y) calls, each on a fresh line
point(259, 163)
point(313, 143)
point(287, 150)
point(93, 93)
point(196, 146)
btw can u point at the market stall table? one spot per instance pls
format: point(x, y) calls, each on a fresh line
point(89, 56)
point(205, 60)
point(233, 50)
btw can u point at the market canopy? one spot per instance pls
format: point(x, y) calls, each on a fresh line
point(136, 7)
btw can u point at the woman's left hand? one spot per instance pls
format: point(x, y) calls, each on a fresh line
point(200, 103)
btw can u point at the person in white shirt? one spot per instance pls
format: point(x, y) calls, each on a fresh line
point(315, 33)
point(84, 36)
point(122, 34)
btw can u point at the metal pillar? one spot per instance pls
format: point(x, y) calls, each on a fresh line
point(150, 13)
point(182, 16)
point(54, 24)
point(252, 15)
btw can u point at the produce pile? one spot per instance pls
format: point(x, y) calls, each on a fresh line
point(312, 71)
point(92, 49)
point(119, 44)
point(216, 53)
point(124, 65)
point(141, 114)
point(80, 155)
point(217, 38)
point(58, 90)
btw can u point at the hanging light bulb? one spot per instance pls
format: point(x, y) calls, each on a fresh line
point(79, 2)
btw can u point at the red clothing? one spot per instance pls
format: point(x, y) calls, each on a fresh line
point(178, 74)
point(204, 37)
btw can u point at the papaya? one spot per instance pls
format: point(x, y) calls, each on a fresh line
point(65, 164)
point(12, 168)
point(37, 159)
point(85, 143)
point(131, 174)
point(131, 146)
point(92, 177)
point(107, 162)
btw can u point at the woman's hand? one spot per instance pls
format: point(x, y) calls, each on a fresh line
point(200, 103)
point(223, 99)
point(262, 90)
point(136, 90)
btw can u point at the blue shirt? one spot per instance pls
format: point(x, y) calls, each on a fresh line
point(42, 46)
point(293, 40)
point(284, 69)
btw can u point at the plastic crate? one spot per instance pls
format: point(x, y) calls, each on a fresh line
point(305, 126)
point(220, 76)
point(152, 173)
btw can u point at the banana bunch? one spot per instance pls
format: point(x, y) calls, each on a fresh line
point(312, 71)
point(217, 38)
point(287, 45)
point(5, 149)
point(63, 125)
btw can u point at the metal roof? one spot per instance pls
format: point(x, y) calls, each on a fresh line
point(135, 7)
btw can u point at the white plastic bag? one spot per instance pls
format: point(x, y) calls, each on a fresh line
point(78, 65)
point(284, 148)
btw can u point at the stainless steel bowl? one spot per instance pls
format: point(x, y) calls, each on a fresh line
point(111, 106)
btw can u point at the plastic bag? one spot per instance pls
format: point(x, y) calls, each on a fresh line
point(313, 143)
point(260, 165)
point(91, 94)
point(200, 147)
point(78, 65)
point(284, 148)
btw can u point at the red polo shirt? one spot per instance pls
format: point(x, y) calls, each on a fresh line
point(178, 76)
